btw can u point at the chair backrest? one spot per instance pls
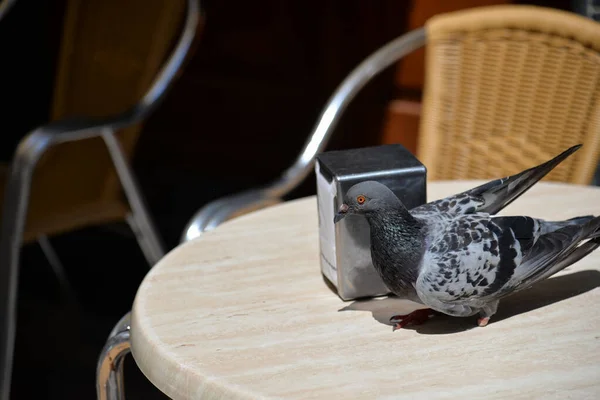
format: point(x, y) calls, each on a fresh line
point(508, 87)
point(110, 55)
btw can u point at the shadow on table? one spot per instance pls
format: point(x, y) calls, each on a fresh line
point(544, 293)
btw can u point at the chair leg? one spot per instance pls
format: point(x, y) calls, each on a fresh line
point(153, 249)
point(14, 212)
point(109, 371)
point(142, 239)
point(57, 266)
point(10, 246)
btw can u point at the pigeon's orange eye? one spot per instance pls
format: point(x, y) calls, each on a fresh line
point(361, 199)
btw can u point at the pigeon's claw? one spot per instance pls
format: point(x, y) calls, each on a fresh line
point(416, 317)
point(483, 321)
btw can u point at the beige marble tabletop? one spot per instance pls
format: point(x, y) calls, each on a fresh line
point(244, 313)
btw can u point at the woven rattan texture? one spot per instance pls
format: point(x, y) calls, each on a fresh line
point(501, 100)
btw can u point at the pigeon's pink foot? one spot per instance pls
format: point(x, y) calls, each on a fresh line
point(416, 317)
point(483, 321)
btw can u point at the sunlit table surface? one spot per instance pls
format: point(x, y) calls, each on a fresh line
point(244, 313)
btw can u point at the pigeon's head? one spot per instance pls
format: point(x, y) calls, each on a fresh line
point(367, 197)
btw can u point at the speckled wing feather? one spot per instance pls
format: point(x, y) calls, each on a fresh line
point(478, 259)
point(492, 196)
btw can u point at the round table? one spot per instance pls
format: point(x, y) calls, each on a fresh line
point(243, 313)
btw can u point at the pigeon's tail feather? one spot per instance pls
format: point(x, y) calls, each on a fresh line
point(501, 192)
point(579, 252)
point(582, 240)
point(551, 226)
point(580, 220)
point(570, 258)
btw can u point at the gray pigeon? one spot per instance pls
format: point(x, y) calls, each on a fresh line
point(455, 256)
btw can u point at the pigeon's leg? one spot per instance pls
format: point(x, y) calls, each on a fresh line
point(416, 317)
point(486, 313)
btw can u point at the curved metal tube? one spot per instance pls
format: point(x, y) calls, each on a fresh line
point(29, 151)
point(215, 213)
point(109, 370)
point(220, 210)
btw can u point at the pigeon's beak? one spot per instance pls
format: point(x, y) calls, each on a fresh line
point(342, 212)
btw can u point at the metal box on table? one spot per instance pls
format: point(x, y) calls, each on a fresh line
point(345, 247)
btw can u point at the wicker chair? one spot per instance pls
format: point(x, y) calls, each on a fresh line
point(509, 87)
point(506, 87)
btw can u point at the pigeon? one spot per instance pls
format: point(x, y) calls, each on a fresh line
point(458, 258)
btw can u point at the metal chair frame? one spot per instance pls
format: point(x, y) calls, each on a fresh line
point(33, 146)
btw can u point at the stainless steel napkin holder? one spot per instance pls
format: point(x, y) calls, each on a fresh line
point(345, 247)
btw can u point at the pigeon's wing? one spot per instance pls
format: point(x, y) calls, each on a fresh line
point(466, 258)
point(479, 259)
point(492, 196)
